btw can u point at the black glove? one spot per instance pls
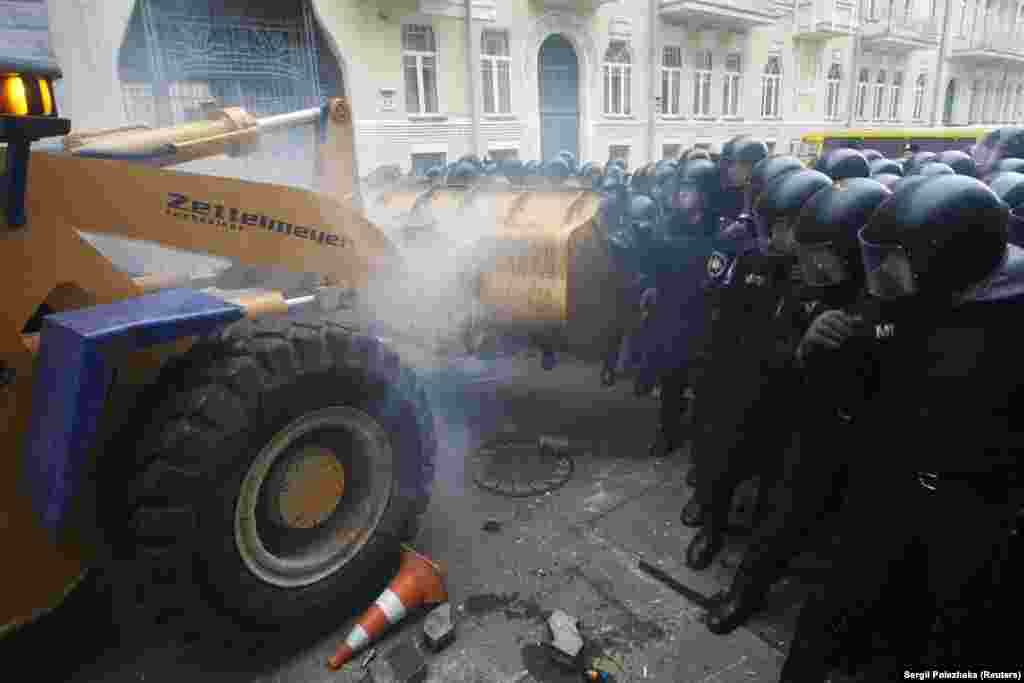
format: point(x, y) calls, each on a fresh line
point(829, 330)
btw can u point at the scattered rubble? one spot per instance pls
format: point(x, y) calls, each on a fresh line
point(407, 663)
point(492, 526)
point(439, 628)
point(567, 642)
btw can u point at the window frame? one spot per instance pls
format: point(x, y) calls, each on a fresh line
point(732, 86)
point(671, 83)
point(615, 146)
point(863, 80)
point(419, 56)
point(703, 68)
point(833, 92)
point(895, 95)
point(494, 62)
point(623, 70)
point(771, 86)
point(920, 87)
point(881, 86)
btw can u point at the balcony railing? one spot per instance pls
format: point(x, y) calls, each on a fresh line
point(728, 14)
point(992, 43)
point(897, 26)
point(826, 18)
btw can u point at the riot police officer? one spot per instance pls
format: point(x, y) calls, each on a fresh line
point(844, 162)
point(681, 317)
point(1001, 143)
point(872, 155)
point(746, 233)
point(888, 179)
point(931, 354)
point(744, 360)
point(1007, 165)
point(914, 164)
point(936, 168)
point(829, 254)
point(739, 155)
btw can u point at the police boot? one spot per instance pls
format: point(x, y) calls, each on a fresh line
point(734, 607)
point(703, 548)
point(692, 514)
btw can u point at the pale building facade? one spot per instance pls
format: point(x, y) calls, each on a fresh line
point(642, 79)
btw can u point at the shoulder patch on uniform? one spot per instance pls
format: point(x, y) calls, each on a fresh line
point(717, 263)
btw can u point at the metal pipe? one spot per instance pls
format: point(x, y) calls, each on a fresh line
point(289, 120)
point(940, 62)
point(474, 74)
point(652, 102)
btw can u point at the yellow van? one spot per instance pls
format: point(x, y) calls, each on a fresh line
point(890, 141)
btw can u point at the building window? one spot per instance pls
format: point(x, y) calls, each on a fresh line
point(895, 96)
point(497, 72)
point(880, 88)
point(702, 84)
point(919, 87)
point(1019, 113)
point(997, 116)
point(503, 154)
point(986, 107)
point(972, 116)
point(419, 58)
point(963, 18)
point(832, 92)
point(616, 79)
point(731, 91)
point(671, 151)
point(1008, 105)
point(771, 88)
point(871, 10)
point(421, 163)
point(671, 80)
point(619, 152)
point(862, 94)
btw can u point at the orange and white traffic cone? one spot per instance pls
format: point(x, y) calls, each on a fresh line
point(419, 582)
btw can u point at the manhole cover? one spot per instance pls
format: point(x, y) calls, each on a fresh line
point(520, 468)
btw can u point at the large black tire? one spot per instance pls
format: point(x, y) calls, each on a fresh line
point(213, 411)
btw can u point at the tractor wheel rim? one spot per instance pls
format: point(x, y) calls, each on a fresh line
point(313, 496)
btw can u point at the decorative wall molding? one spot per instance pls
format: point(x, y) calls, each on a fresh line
point(483, 10)
point(620, 28)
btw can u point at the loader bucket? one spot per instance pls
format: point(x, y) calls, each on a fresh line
point(540, 261)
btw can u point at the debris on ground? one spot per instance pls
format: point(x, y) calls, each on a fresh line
point(566, 640)
point(407, 663)
point(553, 445)
point(439, 628)
point(370, 656)
point(492, 526)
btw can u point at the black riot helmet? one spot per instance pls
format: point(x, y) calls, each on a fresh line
point(890, 166)
point(936, 168)
point(782, 201)
point(872, 155)
point(888, 179)
point(913, 165)
point(1009, 187)
point(745, 153)
point(960, 162)
point(1001, 143)
point(770, 168)
point(1008, 165)
point(690, 197)
point(643, 213)
point(729, 148)
point(844, 162)
point(935, 238)
point(826, 230)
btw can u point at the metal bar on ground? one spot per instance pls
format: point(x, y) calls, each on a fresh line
point(687, 592)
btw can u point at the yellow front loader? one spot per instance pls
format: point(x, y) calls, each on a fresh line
point(273, 455)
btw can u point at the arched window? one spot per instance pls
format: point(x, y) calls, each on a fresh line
point(617, 65)
point(832, 92)
point(731, 86)
point(963, 18)
point(895, 96)
point(986, 107)
point(919, 88)
point(771, 88)
point(702, 84)
point(862, 93)
point(1000, 103)
point(419, 59)
point(671, 79)
point(880, 87)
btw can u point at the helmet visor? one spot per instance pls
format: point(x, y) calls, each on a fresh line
point(821, 265)
point(888, 269)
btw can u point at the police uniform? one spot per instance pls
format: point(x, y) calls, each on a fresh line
point(931, 499)
point(747, 375)
point(811, 482)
